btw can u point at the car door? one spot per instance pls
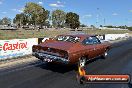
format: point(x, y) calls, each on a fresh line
point(99, 47)
point(90, 47)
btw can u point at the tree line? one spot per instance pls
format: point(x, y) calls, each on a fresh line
point(35, 14)
point(5, 21)
point(122, 27)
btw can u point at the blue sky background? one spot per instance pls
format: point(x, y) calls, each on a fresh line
point(109, 12)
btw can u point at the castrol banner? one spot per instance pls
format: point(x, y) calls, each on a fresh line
point(16, 47)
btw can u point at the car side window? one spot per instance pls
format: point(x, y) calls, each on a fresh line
point(91, 40)
point(95, 40)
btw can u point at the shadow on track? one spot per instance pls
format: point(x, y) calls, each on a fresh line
point(63, 68)
point(57, 67)
point(95, 59)
point(130, 85)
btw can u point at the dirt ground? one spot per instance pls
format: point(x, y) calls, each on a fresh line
point(22, 34)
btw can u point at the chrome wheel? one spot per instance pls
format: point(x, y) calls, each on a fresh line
point(105, 54)
point(82, 61)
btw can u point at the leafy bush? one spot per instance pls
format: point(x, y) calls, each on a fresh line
point(130, 28)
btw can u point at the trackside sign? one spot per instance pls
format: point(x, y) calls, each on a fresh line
point(16, 47)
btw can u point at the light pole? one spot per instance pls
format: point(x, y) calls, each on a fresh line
point(104, 21)
point(97, 17)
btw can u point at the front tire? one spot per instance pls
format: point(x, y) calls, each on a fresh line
point(82, 61)
point(104, 56)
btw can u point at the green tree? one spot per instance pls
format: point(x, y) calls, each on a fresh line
point(58, 18)
point(42, 17)
point(72, 20)
point(92, 26)
point(36, 13)
point(83, 25)
point(129, 28)
point(101, 25)
point(20, 19)
point(0, 22)
point(47, 23)
point(6, 21)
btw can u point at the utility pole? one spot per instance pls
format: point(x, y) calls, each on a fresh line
point(126, 24)
point(97, 17)
point(104, 21)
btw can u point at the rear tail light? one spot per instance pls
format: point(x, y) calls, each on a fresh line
point(36, 48)
point(64, 54)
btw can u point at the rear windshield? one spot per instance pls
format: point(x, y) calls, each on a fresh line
point(67, 38)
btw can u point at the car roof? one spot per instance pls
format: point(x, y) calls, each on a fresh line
point(82, 36)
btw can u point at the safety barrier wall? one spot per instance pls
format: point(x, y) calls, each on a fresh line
point(16, 47)
point(109, 37)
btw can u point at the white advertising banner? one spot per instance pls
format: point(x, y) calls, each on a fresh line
point(109, 37)
point(16, 47)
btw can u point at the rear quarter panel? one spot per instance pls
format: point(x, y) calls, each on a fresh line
point(80, 50)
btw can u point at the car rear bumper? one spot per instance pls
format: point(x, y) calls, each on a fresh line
point(50, 58)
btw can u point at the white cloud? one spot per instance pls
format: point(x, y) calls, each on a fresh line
point(18, 10)
point(87, 16)
point(1, 2)
point(40, 3)
point(53, 5)
point(4, 12)
point(115, 14)
point(57, 4)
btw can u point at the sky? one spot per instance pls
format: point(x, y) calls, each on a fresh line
point(91, 12)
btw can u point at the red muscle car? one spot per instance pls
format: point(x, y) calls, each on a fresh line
point(70, 49)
